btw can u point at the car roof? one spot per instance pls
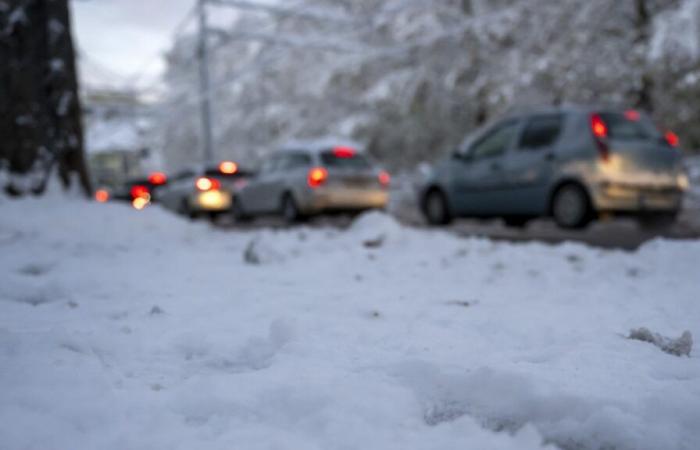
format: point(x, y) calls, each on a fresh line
point(319, 145)
point(523, 112)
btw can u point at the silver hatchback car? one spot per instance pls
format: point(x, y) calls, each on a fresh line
point(571, 163)
point(313, 177)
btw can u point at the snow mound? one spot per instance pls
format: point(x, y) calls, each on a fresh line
point(375, 227)
point(538, 360)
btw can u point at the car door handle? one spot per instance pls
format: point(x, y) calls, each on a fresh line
point(495, 166)
point(550, 157)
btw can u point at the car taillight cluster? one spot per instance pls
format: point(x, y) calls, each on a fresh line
point(672, 139)
point(140, 191)
point(157, 178)
point(600, 133)
point(317, 176)
point(384, 178)
point(140, 196)
point(207, 184)
point(102, 195)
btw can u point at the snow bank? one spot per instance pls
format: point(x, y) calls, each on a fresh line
point(124, 329)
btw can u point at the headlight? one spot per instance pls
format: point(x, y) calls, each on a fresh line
point(683, 182)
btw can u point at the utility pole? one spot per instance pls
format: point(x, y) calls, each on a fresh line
point(204, 84)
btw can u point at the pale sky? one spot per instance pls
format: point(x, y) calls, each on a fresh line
point(122, 39)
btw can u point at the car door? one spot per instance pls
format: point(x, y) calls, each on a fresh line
point(478, 179)
point(277, 182)
point(253, 197)
point(529, 166)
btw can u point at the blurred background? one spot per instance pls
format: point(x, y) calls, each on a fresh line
point(165, 84)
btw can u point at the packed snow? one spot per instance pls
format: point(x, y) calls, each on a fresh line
point(140, 330)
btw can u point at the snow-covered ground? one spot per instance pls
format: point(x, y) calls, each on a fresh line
point(127, 330)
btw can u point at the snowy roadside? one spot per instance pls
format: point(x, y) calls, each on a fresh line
point(126, 330)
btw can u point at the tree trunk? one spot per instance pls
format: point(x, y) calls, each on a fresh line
point(642, 24)
point(40, 124)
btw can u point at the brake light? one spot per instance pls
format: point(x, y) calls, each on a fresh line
point(632, 115)
point(344, 152)
point(600, 132)
point(598, 127)
point(228, 167)
point(157, 178)
point(102, 195)
point(207, 184)
point(384, 178)
point(317, 176)
point(140, 191)
point(672, 139)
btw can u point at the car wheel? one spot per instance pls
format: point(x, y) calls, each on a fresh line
point(435, 208)
point(571, 207)
point(290, 210)
point(657, 222)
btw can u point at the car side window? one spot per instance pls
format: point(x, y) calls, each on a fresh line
point(541, 132)
point(269, 165)
point(294, 161)
point(496, 141)
point(183, 175)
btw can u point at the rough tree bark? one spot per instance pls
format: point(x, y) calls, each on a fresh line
point(642, 25)
point(40, 113)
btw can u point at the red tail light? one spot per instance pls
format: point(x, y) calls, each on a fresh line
point(207, 184)
point(228, 167)
point(672, 139)
point(157, 178)
point(102, 195)
point(598, 127)
point(140, 191)
point(344, 152)
point(632, 115)
point(384, 178)
point(600, 132)
point(317, 176)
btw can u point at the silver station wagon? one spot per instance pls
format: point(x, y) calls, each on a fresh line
point(313, 177)
point(571, 163)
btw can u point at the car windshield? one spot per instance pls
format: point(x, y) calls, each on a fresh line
point(354, 160)
point(630, 126)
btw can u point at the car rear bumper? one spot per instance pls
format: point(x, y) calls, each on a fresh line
point(328, 199)
point(211, 201)
point(629, 198)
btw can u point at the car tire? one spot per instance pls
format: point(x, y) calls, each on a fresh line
point(657, 222)
point(290, 210)
point(435, 208)
point(571, 207)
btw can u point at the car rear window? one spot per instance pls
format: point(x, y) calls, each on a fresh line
point(331, 159)
point(629, 126)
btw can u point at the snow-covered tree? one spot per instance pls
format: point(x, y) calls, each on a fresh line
point(410, 77)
